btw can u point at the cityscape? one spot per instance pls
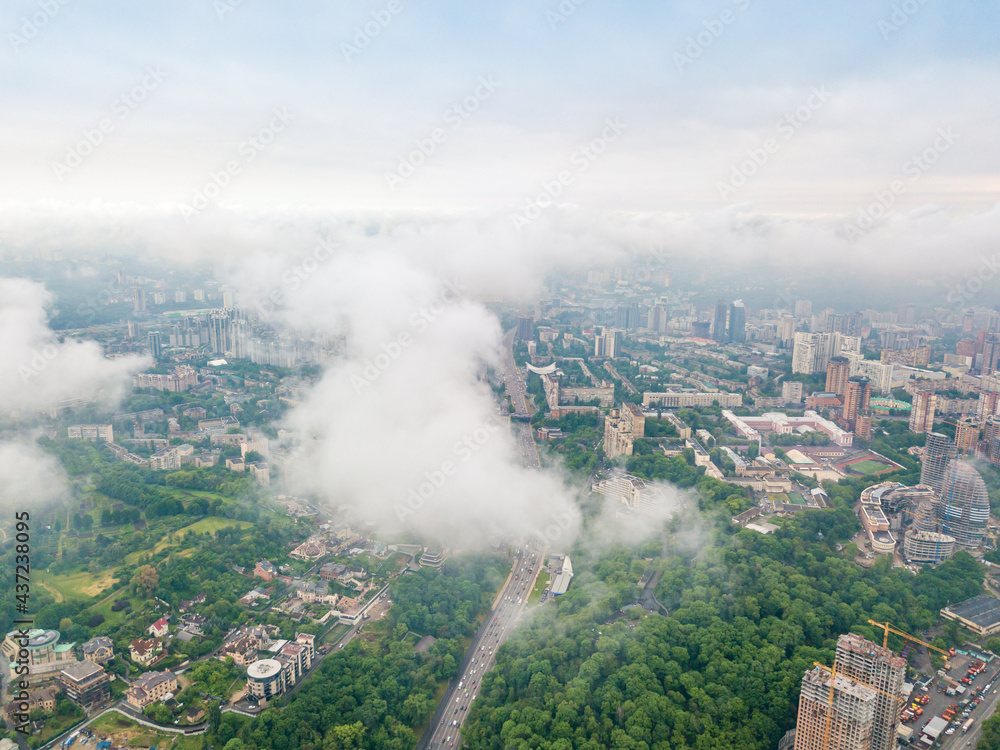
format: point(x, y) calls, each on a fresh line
point(560, 376)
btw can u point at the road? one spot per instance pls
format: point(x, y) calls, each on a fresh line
point(510, 602)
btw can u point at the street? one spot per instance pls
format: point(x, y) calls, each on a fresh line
point(502, 619)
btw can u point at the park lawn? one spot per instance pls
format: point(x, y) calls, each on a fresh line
point(103, 607)
point(536, 593)
point(127, 733)
point(78, 586)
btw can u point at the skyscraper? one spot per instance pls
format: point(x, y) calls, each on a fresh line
point(155, 345)
point(850, 711)
point(879, 668)
point(964, 507)
point(838, 371)
point(991, 354)
point(737, 322)
point(922, 411)
point(138, 300)
point(218, 333)
point(719, 327)
point(939, 450)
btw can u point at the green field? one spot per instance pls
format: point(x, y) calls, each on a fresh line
point(77, 586)
point(777, 497)
point(210, 525)
point(795, 498)
point(869, 467)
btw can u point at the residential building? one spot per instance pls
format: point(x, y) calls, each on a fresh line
point(857, 407)
point(315, 593)
point(151, 687)
point(85, 683)
point(159, 628)
point(719, 327)
point(838, 370)
point(966, 436)
point(688, 397)
point(155, 344)
point(791, 392)
point(621, 428)
point(266, 679)
point(881, 669)
point(737, 333)
point(265, 569)
point(103, 432)
point(922, 411)
point(182, 379)
point(812, 351)
point(834, 712)
point(99, 650)
point(145, 651)
point(631, 491)
point(525, 328)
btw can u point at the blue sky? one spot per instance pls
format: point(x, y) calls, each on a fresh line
point(890, 90)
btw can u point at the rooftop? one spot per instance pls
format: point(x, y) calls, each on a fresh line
point(983, 610)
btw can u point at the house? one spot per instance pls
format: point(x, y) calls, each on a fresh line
point(265, 570)
point(187, 604)
point(193, 623)
point(145, 651)
point(99, 650)
point(159, 628)
point(151, 687)
point(315, 593)
point(332, 571)
point(43, 699)
point(244, 645)
point(253, 597)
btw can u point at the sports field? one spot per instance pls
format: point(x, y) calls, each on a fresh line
point(869, 466)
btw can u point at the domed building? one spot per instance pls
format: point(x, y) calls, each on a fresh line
point(963, 509)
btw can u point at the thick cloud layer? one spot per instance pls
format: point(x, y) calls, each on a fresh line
point(37, 370)
point(29, 477)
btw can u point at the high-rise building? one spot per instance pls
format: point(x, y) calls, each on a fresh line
point(219, 335)
point(791, 392)
point(138, 300)
point(613, 343)
point(991, 354)
point(785, 331)
point(964, 507)
point(881, 669)
point(857, 407)
point(737, 322)
point(525, 328)
point(628, 316)
point(812, 351)
point(922, 411)
point(966, 436)
point(227, 300)
point(701, 329)
point(803, 307)
point(155, 345)
point(838, 371)
point(719, 327)
point(841, 718)
point(939, 451)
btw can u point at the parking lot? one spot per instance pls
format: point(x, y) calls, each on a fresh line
point(940, 701)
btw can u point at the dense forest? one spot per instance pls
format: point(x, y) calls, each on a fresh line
point(749, 614)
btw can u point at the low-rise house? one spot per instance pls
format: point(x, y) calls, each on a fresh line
point(315, 593)
point(187, 604)
point(151, 687)
point(265, 570)
point(159, 628)
point(99, 650)
point(145, 651)
point(332, 571)
point(254, 597)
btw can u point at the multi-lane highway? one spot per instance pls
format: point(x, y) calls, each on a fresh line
point(446, 724)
